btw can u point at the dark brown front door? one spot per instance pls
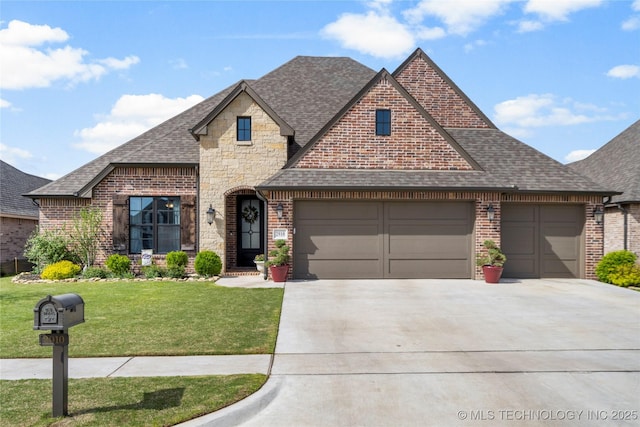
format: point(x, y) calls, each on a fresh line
point(250, 231)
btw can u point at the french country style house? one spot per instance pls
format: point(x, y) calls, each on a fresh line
point(366, 175)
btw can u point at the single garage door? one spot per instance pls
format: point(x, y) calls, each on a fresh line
point(360, 240)
point(542, 240)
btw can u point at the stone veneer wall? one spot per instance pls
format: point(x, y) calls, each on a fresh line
point(614, 228)
point(226, 163)
point(413, 144)
point(483, 228)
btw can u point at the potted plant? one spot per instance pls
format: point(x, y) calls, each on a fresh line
point(259, 262)
point(278, 262)
point(491, 262)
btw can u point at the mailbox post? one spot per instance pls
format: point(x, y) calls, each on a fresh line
point(57, 314)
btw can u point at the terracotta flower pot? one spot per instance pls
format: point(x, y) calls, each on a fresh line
point(279, 272)
point(491, 273)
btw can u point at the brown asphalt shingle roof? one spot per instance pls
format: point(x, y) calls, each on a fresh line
point(13, 184)
point(305, 92)
point(507, 165)
point(616, 165)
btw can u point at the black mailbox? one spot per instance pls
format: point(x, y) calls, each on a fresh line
point(58, 312)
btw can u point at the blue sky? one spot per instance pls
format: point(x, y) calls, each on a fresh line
point(78, 78)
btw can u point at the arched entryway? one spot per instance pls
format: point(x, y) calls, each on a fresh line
point(245, 229)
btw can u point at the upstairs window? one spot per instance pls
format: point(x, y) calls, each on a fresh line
point(383, 122)
point(244, 129)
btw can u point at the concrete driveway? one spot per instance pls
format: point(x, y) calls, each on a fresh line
point(455, 353)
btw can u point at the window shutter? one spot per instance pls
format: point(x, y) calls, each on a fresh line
point(188, 223)
point(120, 222)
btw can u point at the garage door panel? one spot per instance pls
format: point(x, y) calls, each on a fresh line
point(337, 211)
point(338, 269)
point(428, 269)
point(421, 244)
point(447, 211)
point(362, 242)
point(526, 268)
point(519, 239)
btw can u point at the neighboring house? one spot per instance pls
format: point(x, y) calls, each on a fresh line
point(366, 175)
point(18, 216)
point(616, 165)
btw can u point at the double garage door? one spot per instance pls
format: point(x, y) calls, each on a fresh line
point(335, 239)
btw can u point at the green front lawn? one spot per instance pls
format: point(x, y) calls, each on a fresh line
point(135, 319)
point(146, 318)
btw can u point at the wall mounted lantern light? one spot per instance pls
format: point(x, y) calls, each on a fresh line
point(279, 210)
point(491, 212)
point(598, 215)
point(211, 214)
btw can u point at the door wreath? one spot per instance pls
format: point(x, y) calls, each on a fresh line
point(250, 214)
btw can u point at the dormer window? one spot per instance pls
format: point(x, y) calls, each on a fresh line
point(383, 122)
point(244, 129)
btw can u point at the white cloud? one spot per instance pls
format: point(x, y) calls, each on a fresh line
point(460, 16)
point(13, 154)
point(576, 155)
point(4, 103)
point(27, 66)
point(636, 5)
point(527, 26)
point(179, 64)
point(376, 34)
point(535, 110)
point(131, 116)
point(558, 10)
point(631, 24)
point(471, 46)
point(624, 71)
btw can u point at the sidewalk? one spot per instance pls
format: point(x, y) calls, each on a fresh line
point(16, 369)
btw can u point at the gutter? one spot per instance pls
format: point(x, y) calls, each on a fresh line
point(625, 227)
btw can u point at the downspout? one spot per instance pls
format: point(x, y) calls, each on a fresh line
point(266, 229)
point(625, 223)
point(197, 248)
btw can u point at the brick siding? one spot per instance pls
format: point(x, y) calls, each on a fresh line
point(413, 143)
point(437, 97)
point(14, 233)
point(614, 228)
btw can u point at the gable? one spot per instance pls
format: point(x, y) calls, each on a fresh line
point(437, 94)
point(416, 141)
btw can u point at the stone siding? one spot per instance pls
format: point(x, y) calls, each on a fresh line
point(226, 163)
point(413, 144)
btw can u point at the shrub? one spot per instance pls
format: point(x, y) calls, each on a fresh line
point(208, 263)
point(280, 255)
point(611, 261)
point(94, 272)
point(46, 247)
point(176, 272)
point(60, 270)
point(177, 259)
point(153, 271)
point(119, 265)
point(626, 275)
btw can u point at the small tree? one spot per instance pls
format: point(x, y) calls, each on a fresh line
point(46, 247)
point(86, 233)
